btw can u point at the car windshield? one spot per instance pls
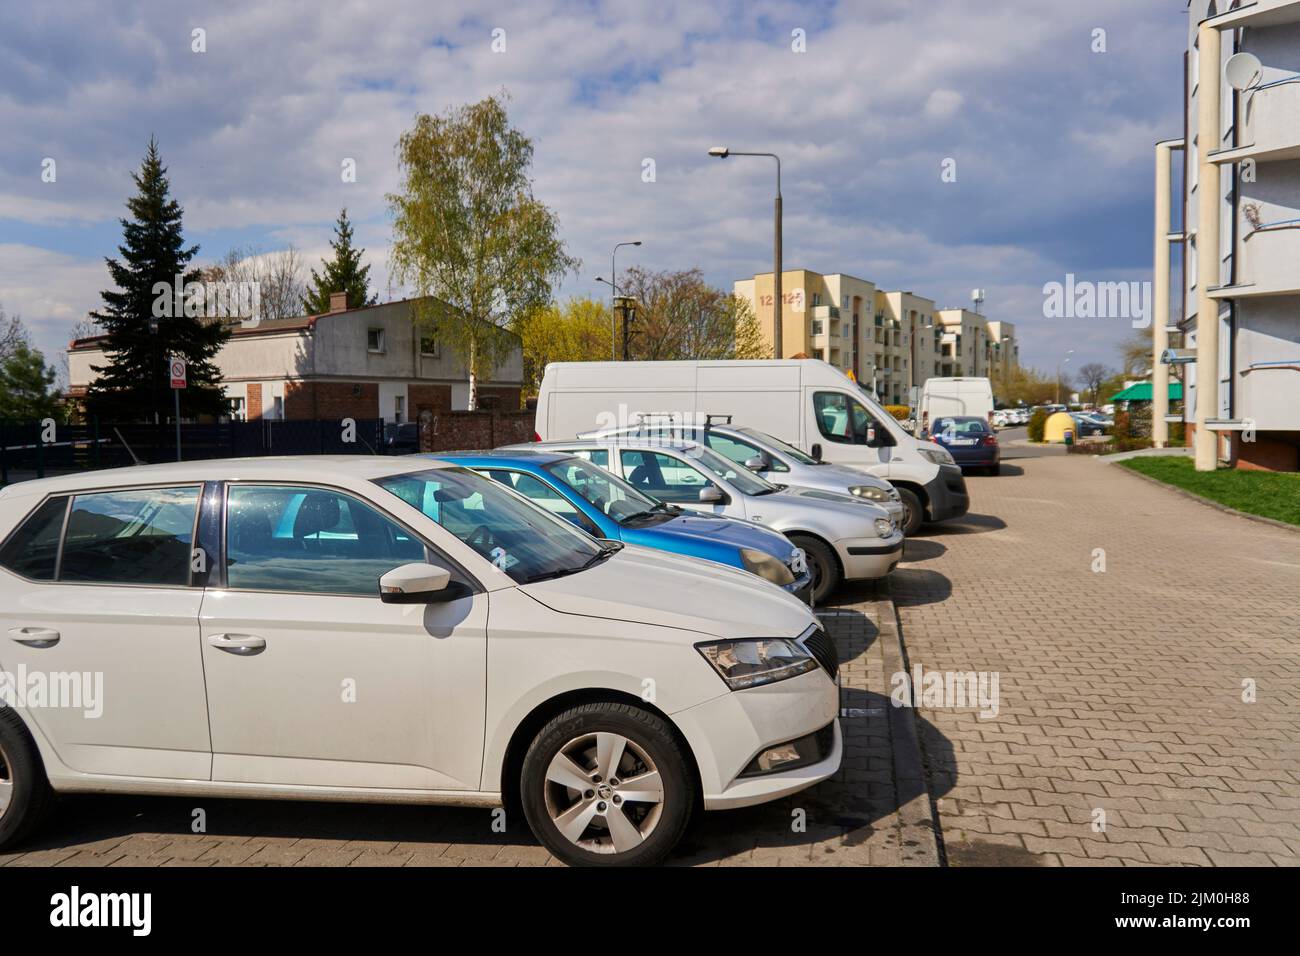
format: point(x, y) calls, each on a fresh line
point(525, 541)
point(741, 478)
point(788, 450)
point(611, 494)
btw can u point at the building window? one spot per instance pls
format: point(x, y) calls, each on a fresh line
point(817, 298)
point(238, 409)
point(399, 409)
point(428, 346)
point(374, 340)
point(817, 327)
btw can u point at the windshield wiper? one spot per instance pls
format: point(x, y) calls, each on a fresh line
point(611, 547)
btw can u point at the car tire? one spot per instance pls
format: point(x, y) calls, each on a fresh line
point(25, 794)
point(823, 564)
point(915, 511)
point(585, 827)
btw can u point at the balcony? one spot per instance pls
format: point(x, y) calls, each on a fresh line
point(1271, 126)
point(1267, 263)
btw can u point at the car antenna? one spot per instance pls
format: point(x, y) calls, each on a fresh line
point(134, 458)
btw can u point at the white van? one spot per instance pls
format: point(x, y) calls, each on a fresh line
point(805, 402)
point(948, 397)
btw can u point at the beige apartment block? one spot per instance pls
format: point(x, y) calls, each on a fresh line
point(827, 317)
point(888, 341)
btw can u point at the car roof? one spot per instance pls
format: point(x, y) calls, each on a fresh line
point(288, 467)
point(627, 441)
point(519, 454)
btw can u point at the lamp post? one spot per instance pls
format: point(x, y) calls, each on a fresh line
point(1064, 361)
point(612, 282)
point(722, 152)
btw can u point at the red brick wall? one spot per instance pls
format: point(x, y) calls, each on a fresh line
point(253, 407)
point(306, 400)
point(436, 398)
point(457, 431)
point(507, 396)
point(1275, 451)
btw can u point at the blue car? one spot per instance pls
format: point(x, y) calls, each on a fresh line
point(605, 506)
point(970, 440)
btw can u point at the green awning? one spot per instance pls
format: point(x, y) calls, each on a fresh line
point(1141, 392)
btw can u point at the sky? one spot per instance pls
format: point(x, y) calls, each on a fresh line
point(1047, 123)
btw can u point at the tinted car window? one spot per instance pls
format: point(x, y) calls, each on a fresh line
point(142, 536)
point(284, 538)
point(611, 495)
point(519, 538)
point(739, 451)
point(841, 418)
point(663, 476)
point(34, 547)
point(544, 496)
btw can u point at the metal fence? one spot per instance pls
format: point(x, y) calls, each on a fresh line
point(35, 449)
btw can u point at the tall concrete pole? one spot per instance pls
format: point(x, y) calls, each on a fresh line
point(1160, 296)
point(1208, 202)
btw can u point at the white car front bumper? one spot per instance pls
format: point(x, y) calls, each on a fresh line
point(728, 732)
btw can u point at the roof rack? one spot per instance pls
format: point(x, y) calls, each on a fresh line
point(725, 419)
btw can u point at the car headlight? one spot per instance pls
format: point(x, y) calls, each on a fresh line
point(937, 456)
point(870, 492)
point(755, 661)
point(884, 527)
point(766, 566)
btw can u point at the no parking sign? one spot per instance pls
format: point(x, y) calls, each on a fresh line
point(176, 368)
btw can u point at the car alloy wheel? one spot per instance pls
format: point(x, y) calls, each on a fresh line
point(604, 793)
point(6, 783)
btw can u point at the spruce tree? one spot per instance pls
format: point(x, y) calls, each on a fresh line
point(133, 386)
point(343, 273)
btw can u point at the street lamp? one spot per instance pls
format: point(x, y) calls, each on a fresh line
point(722, 152)
point(612, 282)
point(1063, 361)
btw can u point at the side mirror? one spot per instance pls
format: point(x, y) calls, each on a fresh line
point(816, 452)
point(416, 583)
point(758, 463)
point(710, 494)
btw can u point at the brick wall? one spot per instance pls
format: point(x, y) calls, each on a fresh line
point(456, 431)
point(1277, 451)
point(507, 396)
point(305, 400)
point(253, 407)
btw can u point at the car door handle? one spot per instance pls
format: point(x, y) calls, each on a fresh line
point(242, 644)
point(35, 636)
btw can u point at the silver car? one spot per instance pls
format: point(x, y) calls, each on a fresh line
point(775, 460)
point(844, 538)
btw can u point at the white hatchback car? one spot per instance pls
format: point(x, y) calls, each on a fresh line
point(370, 629)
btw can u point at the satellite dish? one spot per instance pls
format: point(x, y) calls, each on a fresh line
point(1242, 71)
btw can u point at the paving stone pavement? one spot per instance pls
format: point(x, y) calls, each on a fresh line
point(1120, 691)
point(874, 812)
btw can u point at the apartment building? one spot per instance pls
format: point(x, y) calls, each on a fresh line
point(888, 341)
point(1240, 237)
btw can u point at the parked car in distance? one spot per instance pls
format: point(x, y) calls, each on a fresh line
point(498, 653)
point(845, 538)
point(401, 439)
point(806, 402)
point(971, 441)
point(771, 458)
point(606, 506)
point(1087, 425)
point(947, 397)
